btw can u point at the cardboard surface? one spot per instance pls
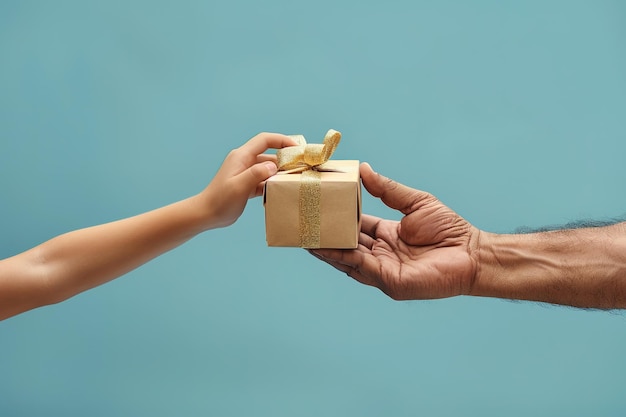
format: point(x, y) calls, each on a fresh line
point(340, 207)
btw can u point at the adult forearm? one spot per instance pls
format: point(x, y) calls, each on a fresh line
point(578, 267)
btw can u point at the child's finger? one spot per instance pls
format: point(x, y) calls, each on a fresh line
point(259, 190)
point(256, 174)
point(266, 157)
point(264, 141)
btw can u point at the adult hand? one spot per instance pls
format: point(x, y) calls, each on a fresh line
point(430, 253)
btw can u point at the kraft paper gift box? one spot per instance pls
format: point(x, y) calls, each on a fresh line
point(319, 207)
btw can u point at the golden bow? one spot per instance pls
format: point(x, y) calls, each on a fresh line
point(306, 156)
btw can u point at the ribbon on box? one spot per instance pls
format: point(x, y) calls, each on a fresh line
point(307, 158)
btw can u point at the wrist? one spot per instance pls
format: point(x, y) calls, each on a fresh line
point(579, 267)
point(217, 206)
point(203, 211)
point(503, 259)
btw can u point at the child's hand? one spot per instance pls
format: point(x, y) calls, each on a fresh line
point(241, 176)
point(83, 259)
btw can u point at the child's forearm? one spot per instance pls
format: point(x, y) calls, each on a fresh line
point(578, 267)
point(77, 261)
point(80, 260)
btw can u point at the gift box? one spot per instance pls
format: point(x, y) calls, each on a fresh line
point(314, 202)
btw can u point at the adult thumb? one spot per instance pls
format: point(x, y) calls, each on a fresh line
point(392, 193)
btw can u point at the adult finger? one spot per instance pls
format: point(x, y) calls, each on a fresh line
point(392, 193)
point(369, 224)
point(347, 269)
point(360, 259)
point(366, 240)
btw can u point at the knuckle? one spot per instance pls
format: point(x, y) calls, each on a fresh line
point(388, 184)
point(234, 153)
point(421, 199)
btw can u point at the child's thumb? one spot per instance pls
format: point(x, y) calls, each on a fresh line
point(258, 173)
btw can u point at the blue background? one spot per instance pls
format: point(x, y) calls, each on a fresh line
point(512, 113)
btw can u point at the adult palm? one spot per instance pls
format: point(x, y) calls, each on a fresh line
point(430, 253)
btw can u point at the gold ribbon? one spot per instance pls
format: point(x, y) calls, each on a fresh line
point(306, 158)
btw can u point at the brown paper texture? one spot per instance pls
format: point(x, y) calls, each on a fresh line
point(340, 207)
